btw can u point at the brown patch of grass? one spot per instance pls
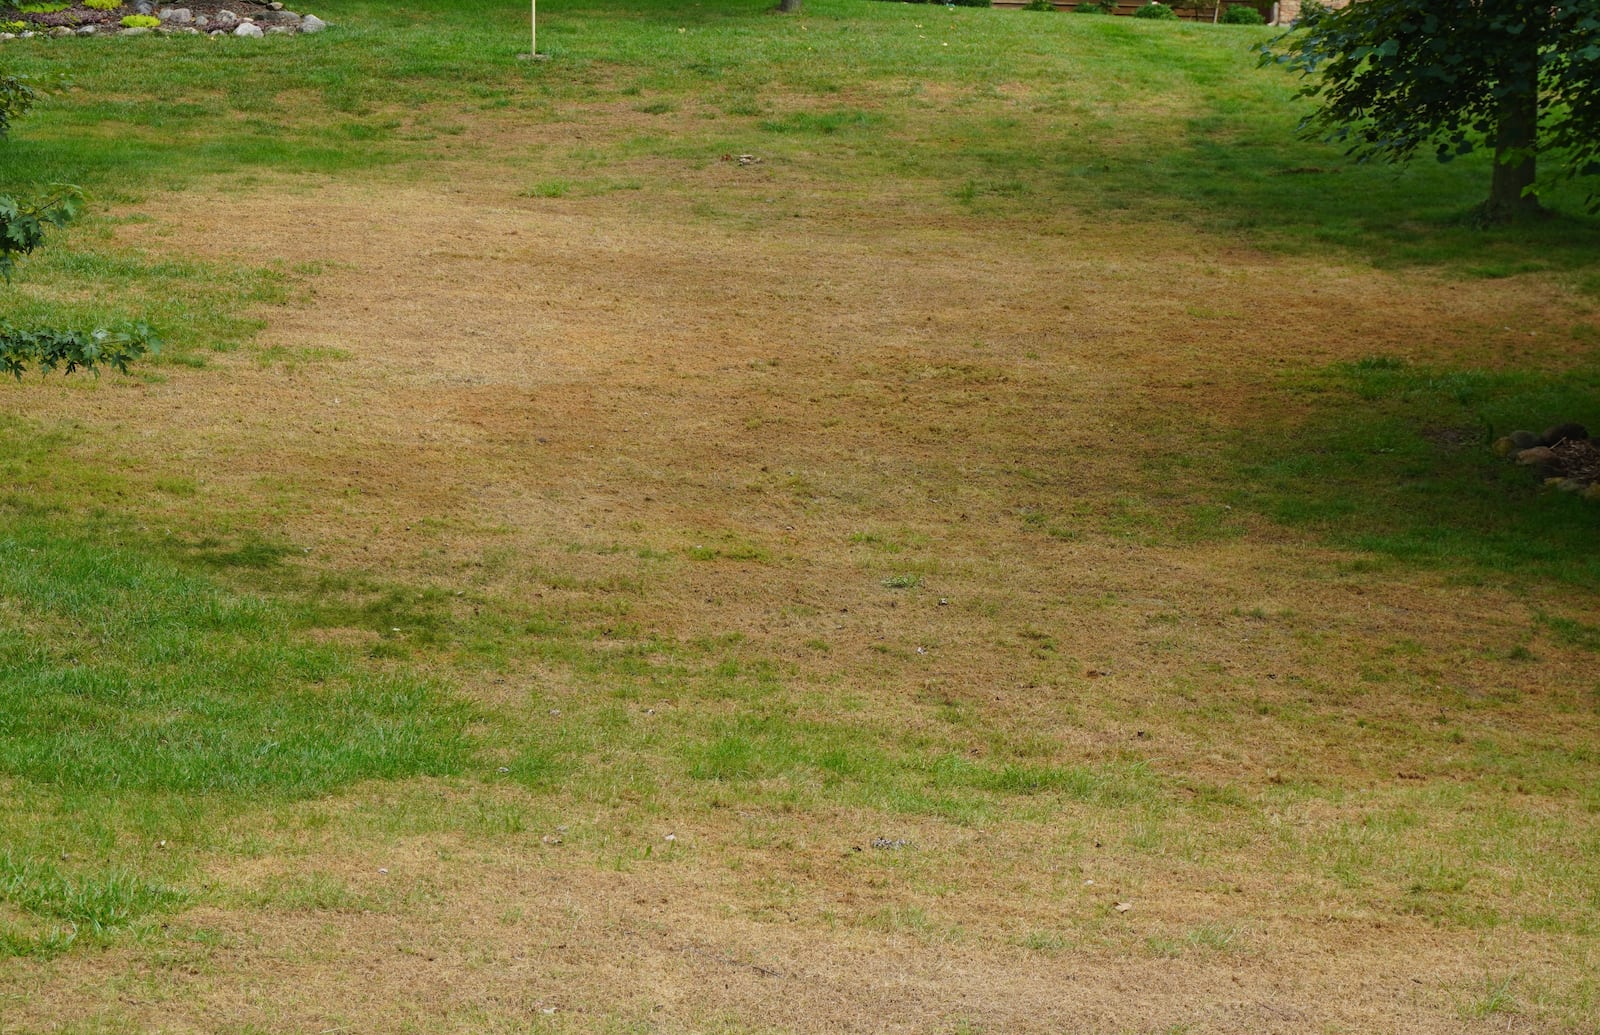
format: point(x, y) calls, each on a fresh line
point(738, 426)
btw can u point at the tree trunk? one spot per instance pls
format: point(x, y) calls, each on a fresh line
point(1516, 142)
point(789, 6)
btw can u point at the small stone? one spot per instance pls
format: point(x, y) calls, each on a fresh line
point(227, 20)
point(249, 29)
point(1525, 439)
point(1504, 446)
point(311, 23)
point(279, 30)
point(87, 30)
point(1565, 433)
point(136, 30)
point(8, 35)
point(177, 16)
point(276, 5)
point(144, 7)
point(201, 21)
point(1572, 485)
point(1538, 456)
point(288, 18)
point(60, 31)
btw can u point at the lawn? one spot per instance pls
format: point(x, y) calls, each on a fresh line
point(897, 518)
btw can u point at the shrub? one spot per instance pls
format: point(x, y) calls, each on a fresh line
point(102, 5)
point(1158, 11)
point(140, 21)
point(13, 26)
point(1097, 7)
point(1038, 5)
point(1238, 14)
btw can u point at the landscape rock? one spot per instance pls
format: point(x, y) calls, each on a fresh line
point(1504, 446)
point(1538, 456)
point(1525, 439)
point(262, 18)
point(1565, 433)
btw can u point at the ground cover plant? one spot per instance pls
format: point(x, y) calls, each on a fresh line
point(894, 518)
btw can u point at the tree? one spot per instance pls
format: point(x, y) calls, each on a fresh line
point(1522, 77)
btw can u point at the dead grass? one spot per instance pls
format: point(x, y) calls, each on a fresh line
point(623, 411)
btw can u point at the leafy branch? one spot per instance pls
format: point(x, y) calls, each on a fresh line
point(22, 224)
point(49, 350)
point(16, 97)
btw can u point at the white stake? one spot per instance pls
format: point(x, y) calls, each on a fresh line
point(533, 34)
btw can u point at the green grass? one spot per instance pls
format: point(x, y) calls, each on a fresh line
point(1127, 120)
point(1394, 459)
point(141, 702)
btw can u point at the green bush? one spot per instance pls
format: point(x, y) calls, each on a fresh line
point(102, 5)
point(1038, 5)
point(140, 21)
point(1238, 14)
point(1158, 11)
point(1097, 7)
